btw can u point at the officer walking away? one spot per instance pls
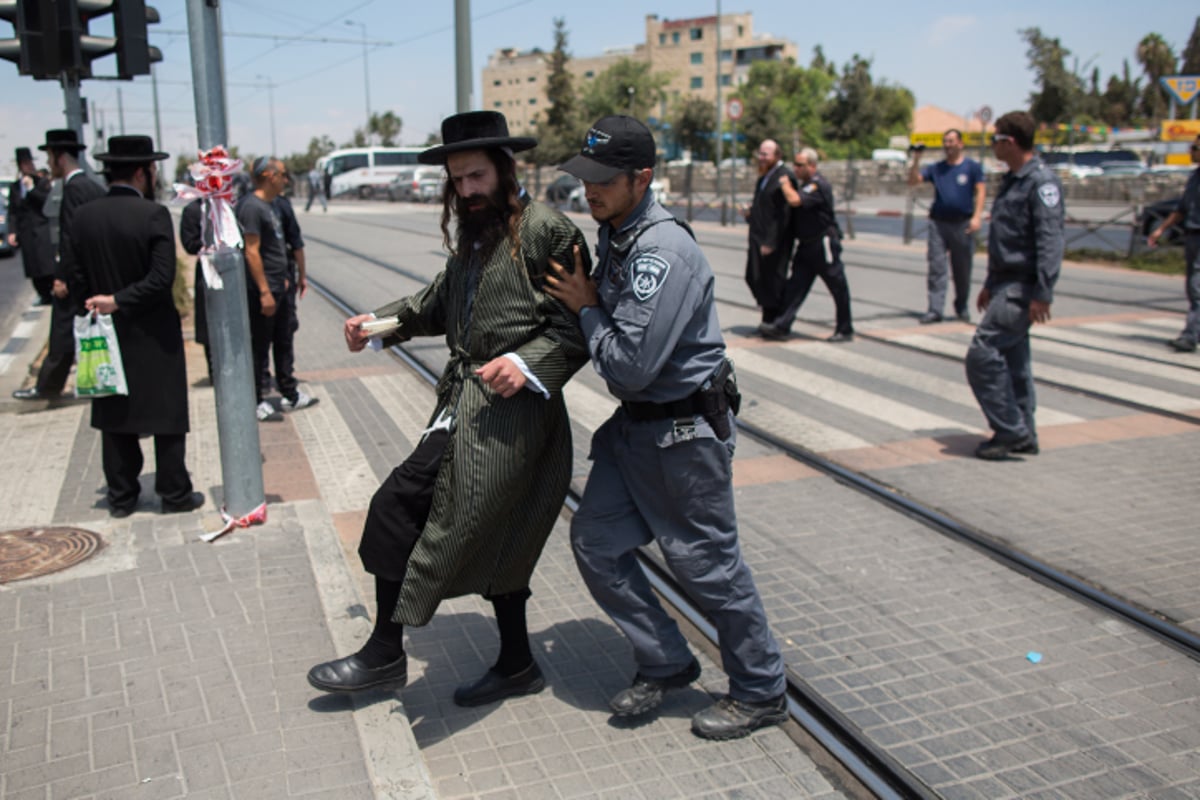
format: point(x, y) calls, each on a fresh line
point(28, 228)
point(122, 251)
point(959, 191)
point(1025, 249)
point(770, 236)
point(73, 188)
point(662, 463)
point(818, 249)
point(315, 190)
point(1187, 212)
point(269, 288)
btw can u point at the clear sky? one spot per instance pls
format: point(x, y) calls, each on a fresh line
point(958, 59)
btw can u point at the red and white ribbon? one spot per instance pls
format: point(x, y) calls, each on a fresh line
point(212, 180)
point(256, 517)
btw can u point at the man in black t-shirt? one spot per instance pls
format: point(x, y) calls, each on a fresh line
point(269, 285)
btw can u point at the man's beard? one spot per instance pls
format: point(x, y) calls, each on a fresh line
point(486, 226)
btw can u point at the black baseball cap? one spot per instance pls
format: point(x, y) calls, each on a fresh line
point(613, 145)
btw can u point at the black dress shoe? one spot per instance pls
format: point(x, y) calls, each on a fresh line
point(646, 694)
point(841, 337)
point(772, 333)
point(120, 512)
point(1181, 344)
point(493, 686)
point(350, 674)
point(32, 393)
point(191, 504)
point(930, 317)
point(997, 449)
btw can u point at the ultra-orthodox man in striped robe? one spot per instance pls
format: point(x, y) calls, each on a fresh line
point(470, 509)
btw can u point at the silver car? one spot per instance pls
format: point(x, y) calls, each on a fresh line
point(417, 185)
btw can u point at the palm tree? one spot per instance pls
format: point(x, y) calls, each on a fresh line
point(1157, 59)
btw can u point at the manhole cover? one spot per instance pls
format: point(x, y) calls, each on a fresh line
point(30, 552)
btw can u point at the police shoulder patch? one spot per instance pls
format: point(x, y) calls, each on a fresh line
point(1049, 194)
point(647, 273)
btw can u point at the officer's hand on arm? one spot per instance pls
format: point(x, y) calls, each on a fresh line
point(502, 376)
point(790, 194)
point(59, 290)
point(1039, 311)
point(100, 303)
point(981, 302)
point(356, 340)
point(573, 289)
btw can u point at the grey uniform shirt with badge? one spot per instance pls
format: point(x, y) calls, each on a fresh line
point(655, 337)
point(1025, 240)
point(1189, 203)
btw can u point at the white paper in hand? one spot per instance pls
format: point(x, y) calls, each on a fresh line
point(379, 327)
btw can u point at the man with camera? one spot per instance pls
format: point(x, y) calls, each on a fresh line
point(959, 191)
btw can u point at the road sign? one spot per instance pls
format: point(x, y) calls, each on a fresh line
point(734, 109)
point(1183, 88)
point(985, 114)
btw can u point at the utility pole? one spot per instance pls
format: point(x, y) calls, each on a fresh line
point(463, 79)
point(720, 115)
point(228, 307)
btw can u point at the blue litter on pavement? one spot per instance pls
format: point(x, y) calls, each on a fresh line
point(1033, 657)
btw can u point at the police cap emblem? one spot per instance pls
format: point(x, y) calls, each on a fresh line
point(647, 273)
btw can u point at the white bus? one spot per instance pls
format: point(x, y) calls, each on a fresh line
point(365, 171)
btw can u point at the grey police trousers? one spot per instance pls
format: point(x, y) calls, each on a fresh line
point(648, 484)
point(952, 238)
point(998, 363)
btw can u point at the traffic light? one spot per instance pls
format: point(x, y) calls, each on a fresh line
point(129, 40)
point(35, 46)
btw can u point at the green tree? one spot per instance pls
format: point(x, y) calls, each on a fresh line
point(1059, 90)
point(627, 87)
point(693, 120)
point(785, 102)
point(1191, 53)
point(387, 127)
point(1118, 105)
point(559, 129)
point(862, 114)
point(1157, 59)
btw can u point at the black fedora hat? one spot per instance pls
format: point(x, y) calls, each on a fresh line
point(130, 150)
point(24, 154)
point(475, 130)
point(62, 139)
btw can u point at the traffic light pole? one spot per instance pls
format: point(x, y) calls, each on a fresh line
point(228, 308)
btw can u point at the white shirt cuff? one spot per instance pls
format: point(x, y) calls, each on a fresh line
point(531, 381)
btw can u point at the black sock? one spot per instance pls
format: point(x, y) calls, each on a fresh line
point(387, 640)
point(515, 655)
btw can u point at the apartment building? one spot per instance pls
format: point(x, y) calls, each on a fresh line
point(514, 81)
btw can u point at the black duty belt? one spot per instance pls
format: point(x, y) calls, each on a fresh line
point(640, 411)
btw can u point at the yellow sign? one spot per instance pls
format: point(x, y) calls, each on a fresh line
point(1183, 88)
point(1179, 130)
point(977, 139)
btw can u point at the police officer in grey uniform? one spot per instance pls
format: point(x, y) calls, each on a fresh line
point(1025, 249)
point(1187, 212)
point(662, 462)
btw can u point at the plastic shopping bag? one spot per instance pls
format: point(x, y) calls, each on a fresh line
point(98, 368)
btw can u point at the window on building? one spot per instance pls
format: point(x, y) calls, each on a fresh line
point(498, 104)
point(697, 58)
point(697, 82)
point(726, 80)
point(589, 74)
point(697, 34)
point(741, 30)
point(675, 37)
point(496, 82)
point(662, 38)
point(533, 101)
point(727, 55)
point(532, 78)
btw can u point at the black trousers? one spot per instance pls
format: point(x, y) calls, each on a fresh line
point(766, 277)
point(399, 510)
point(52, 376)
point(121, 455)
point(42, 285)
point(808, 263)
point(274, 336)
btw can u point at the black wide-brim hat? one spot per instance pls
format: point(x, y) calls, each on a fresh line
point(24, 154)
point(475, 130)
point(62, 139)
point(130, 150)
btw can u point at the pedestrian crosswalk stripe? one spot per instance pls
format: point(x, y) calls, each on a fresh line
point(1130, 363)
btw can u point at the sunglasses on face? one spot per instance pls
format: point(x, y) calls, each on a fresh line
point(1001, 137)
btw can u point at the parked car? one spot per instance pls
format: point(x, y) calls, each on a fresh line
point(5, 248)
point(1114, 168)
point(1152, 217)
point(560, 189)
point(417, 184)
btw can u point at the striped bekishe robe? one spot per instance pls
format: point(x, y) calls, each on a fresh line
point(507, 466)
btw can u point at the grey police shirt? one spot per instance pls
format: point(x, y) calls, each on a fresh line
point(1189, 204)
point(1025, 240)
point(655, 337)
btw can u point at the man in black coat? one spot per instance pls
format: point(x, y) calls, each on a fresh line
point(28, 228)
point(770, 237)
point(124, 257)
point(74, 189)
